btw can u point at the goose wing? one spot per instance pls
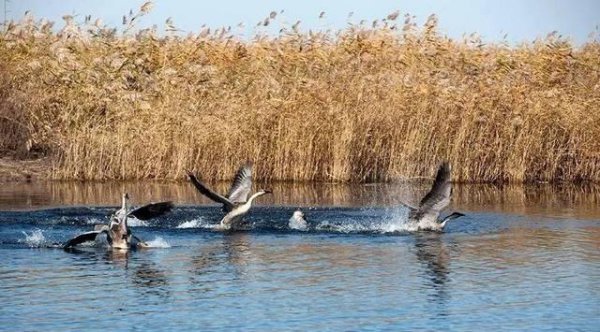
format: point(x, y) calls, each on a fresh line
point(85, 237)
point(228, 205)
point(437, 199)
point(242, 184)
point(151, 210)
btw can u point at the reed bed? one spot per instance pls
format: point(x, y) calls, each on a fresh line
point(381, 102)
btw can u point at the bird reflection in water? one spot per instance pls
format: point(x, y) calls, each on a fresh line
point(434, 256)
point(117, 257)
point(226, 259)
point(151, 280)
point(238, 252)
point(146, 276)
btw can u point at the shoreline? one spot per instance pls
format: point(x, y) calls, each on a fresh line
point(14, 170)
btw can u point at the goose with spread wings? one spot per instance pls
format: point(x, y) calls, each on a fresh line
point(426, 216)
point(236, 203)
point(117, 234)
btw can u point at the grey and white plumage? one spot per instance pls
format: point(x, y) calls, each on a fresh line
point(426, 214)
point(236, 203)
point(297, 221)
point(117, 234)
point(234, 217)
point(238, 192)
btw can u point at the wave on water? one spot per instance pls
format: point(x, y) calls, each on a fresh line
point(158, 242)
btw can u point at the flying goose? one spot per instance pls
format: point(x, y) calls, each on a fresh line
point(426, 215)
point(236, 203)
point(117, 234)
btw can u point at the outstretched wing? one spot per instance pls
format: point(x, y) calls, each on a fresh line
point(228, 205)
point(242, 184)
point(437, 199)
point(85, 237)
point(152, 210)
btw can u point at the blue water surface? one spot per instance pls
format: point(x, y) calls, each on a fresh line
point(357, 269)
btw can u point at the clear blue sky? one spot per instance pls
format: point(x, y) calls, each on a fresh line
point(520, 19)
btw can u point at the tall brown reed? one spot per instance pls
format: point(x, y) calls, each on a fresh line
point(360, 104)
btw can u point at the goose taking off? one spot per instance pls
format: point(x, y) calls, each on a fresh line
point(116, 233)
point(426, 215)
point(236, 204)
point(297, 221)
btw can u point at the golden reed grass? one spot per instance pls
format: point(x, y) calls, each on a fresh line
point(361, 104)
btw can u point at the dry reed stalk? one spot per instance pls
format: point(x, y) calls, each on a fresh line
point(361, 104)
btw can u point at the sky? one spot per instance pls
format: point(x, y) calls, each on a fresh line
point(519, 20)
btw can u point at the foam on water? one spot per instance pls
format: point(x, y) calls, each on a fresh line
point(158, 242)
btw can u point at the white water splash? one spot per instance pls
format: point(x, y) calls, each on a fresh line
point(135, 222)
point(131, 222)
point(398, 227)
point(34, 240)
point(158, 242)
point(95, 221)
point(197, 223)
point(394, 221)
point(375, 227)
point(397, 222)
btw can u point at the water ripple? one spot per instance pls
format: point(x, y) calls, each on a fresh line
point(488, 271)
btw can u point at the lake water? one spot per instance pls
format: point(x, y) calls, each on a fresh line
point(524, 258)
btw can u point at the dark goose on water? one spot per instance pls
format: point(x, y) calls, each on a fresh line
point(116, 233)
point(426, 215)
